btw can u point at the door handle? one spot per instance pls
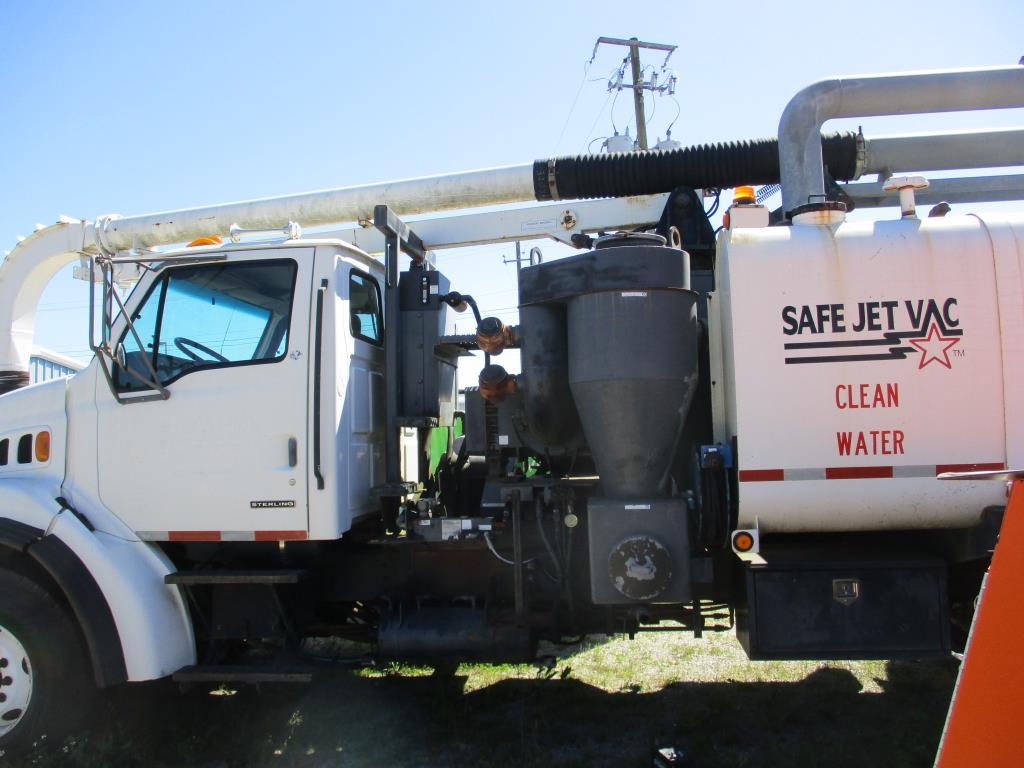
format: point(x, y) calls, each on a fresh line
point(317, 355)
point(293, 452)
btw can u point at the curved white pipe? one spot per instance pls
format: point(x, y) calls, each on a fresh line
point(24, 275)
point(867, 95)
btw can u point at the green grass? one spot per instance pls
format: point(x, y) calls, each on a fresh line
point(610, 704)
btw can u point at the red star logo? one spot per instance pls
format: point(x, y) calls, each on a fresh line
point(935, 347)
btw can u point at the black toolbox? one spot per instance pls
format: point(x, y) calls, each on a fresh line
point(855, 608)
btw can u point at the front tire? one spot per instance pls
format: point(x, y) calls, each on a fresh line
point(43, 667)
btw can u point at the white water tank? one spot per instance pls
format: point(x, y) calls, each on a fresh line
point(860, 360)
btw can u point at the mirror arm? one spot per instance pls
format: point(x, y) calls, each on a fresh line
point(103, 350)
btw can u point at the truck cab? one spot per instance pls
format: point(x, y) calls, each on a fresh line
point(220, 361)
point(241, 405)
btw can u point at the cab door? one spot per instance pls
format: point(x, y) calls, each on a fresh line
point(364, 399)
point(224, 456)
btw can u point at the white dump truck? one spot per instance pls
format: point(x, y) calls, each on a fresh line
point(751, 422)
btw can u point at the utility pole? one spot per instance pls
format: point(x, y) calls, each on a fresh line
point(639, 85)
point(638, 94)
point(535, 257)
point(518, 260)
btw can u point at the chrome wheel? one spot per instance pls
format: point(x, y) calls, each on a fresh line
point(15, 681)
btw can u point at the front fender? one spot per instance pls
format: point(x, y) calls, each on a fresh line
point(115, 587)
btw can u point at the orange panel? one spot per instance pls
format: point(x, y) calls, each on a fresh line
point(985, 718)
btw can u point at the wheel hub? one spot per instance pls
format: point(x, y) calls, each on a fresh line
point(15, 681)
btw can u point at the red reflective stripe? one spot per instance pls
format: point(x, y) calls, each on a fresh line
point(761, 475)
point(856, 473)
point(862, 473)
point(193, 535)
point(992, 466)
point(279, 535)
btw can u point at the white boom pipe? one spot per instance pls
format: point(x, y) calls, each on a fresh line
point(515, 184)
point(946, 151)
point(470, 189)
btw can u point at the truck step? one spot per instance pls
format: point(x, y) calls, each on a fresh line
point(276, 576)
point(213, 673)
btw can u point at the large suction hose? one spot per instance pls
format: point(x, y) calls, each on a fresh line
point(722, 165)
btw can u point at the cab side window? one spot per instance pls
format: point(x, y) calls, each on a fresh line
point(364, 307)
point(206, 316)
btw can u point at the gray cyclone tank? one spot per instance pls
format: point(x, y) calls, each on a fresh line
point(631, 339)
point(633, 373)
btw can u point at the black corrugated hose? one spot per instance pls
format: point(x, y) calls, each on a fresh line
point(704, 166)
point(11, 380)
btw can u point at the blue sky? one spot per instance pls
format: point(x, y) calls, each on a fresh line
point(137, 107)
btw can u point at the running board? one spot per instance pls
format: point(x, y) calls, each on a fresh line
point(212, 673)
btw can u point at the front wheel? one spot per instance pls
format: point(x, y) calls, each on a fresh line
point(43, 667)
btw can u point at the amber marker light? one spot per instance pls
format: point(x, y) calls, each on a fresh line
point(742, 541)
point(213, 240)
point(43, 446)
point(744, 194)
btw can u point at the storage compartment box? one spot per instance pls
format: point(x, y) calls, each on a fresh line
point(856, 609)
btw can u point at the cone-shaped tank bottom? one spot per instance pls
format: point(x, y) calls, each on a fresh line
point(633, 375)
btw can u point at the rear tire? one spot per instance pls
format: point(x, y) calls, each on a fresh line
point(44, 671)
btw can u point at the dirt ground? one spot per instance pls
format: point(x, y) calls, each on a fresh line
point(610, 704)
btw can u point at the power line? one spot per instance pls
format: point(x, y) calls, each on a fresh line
point(601, 112)
point(583, 81)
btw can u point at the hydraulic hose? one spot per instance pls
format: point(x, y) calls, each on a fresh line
point(547, 543)
point(704, 166)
